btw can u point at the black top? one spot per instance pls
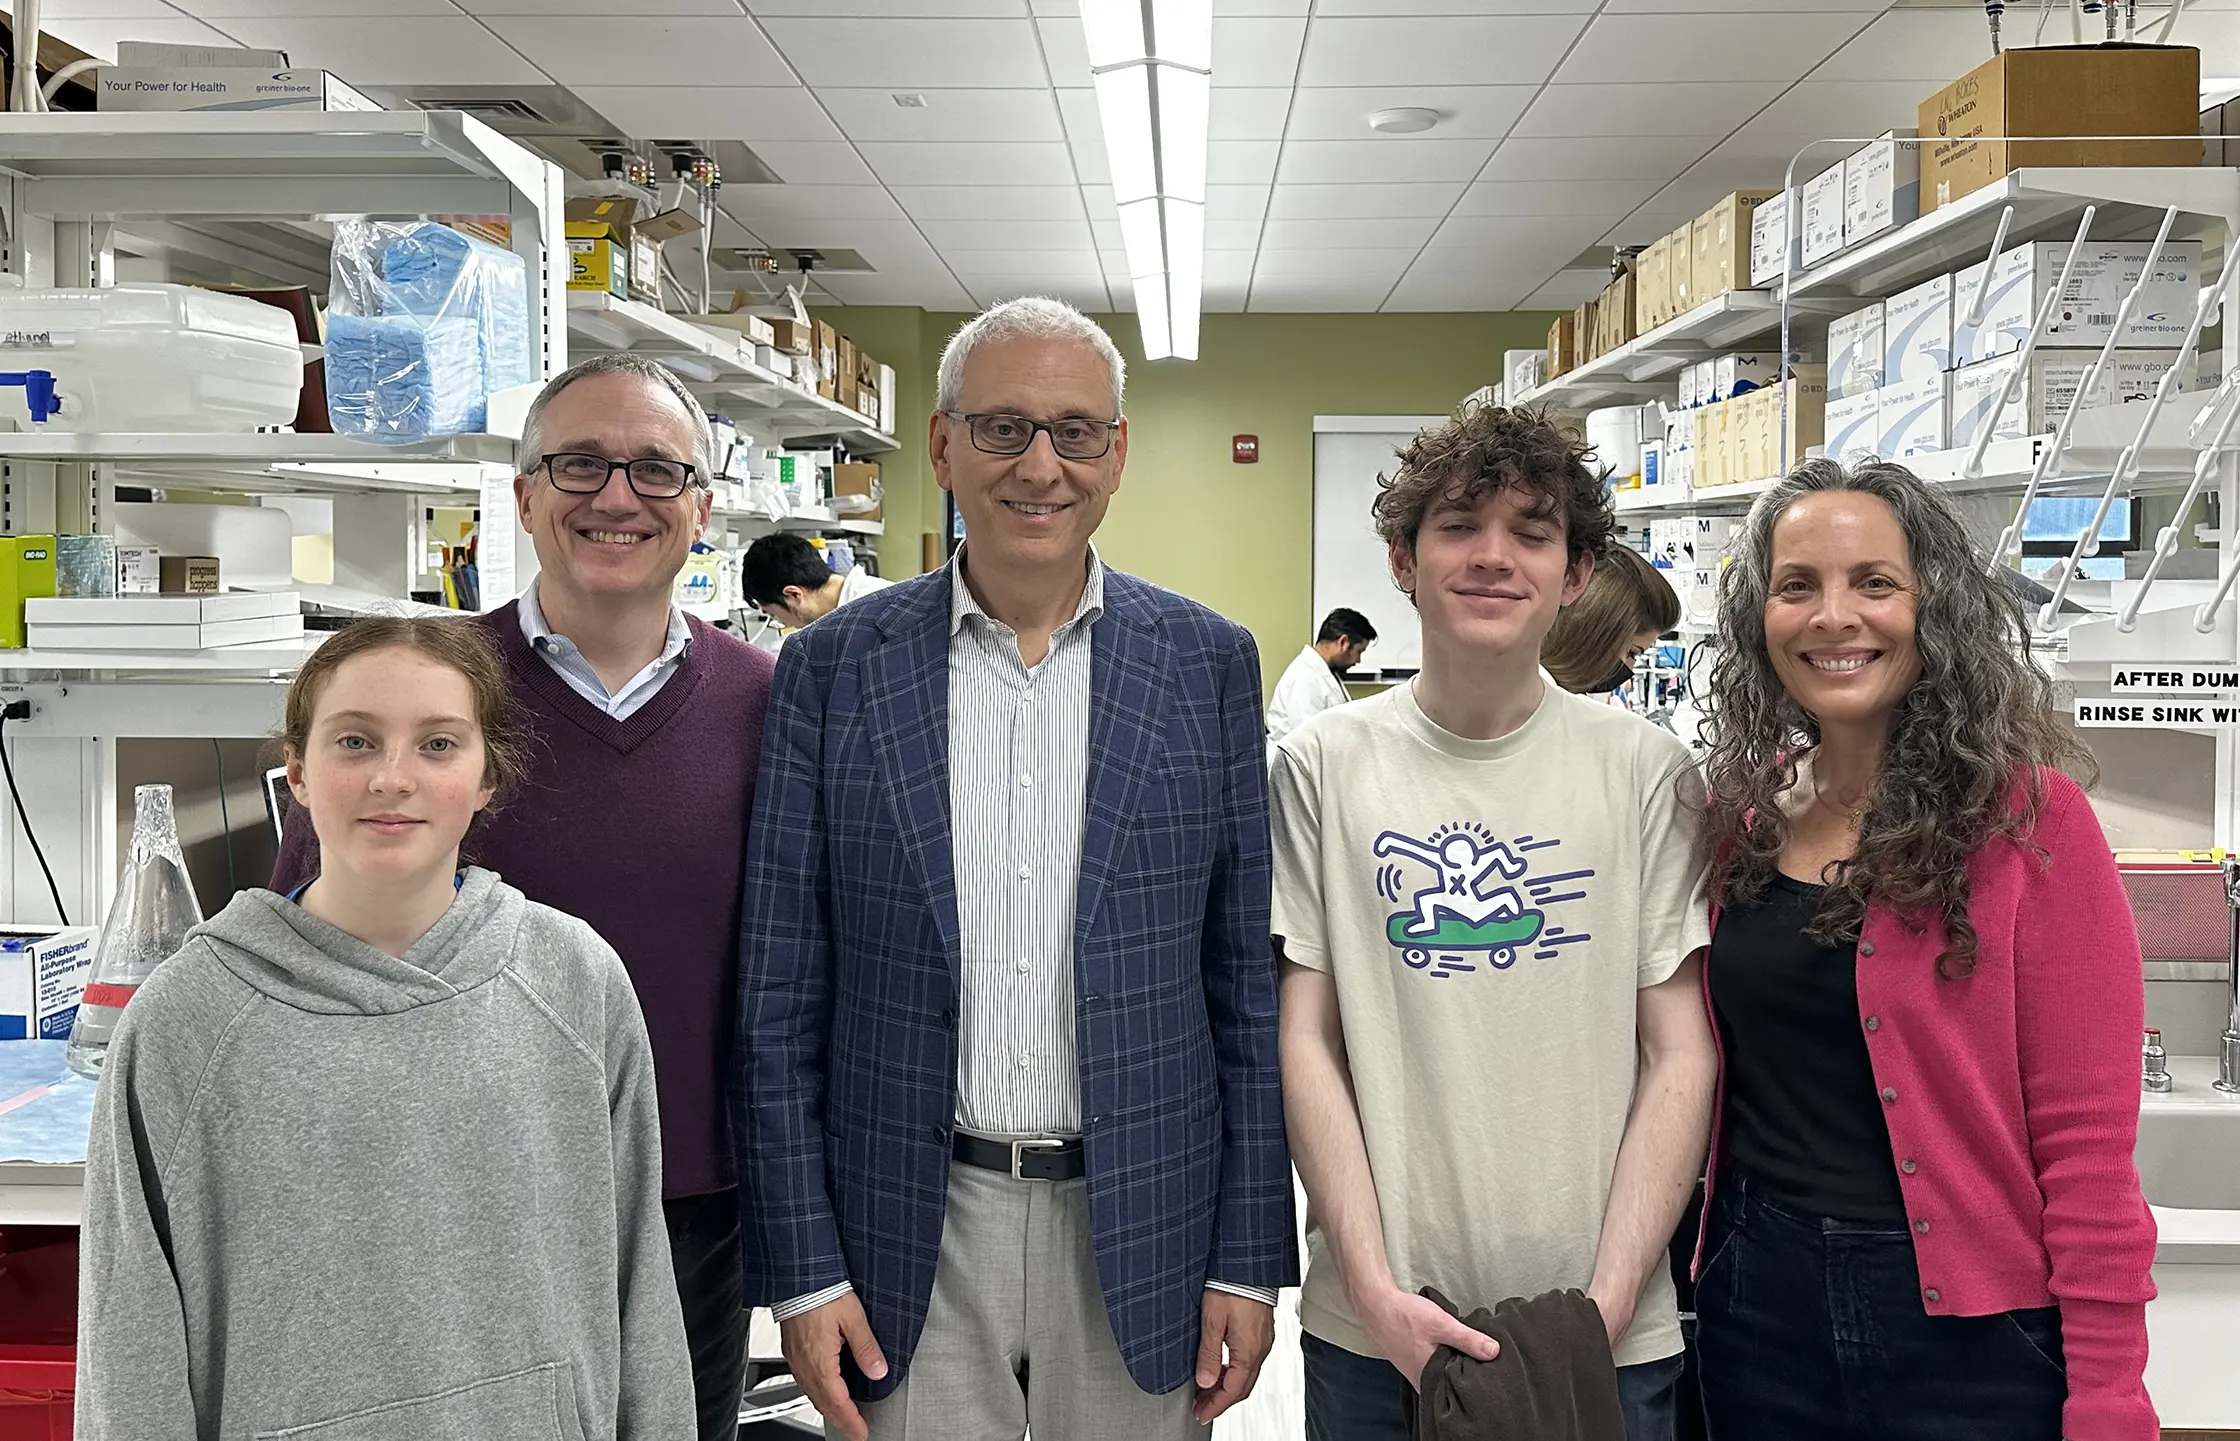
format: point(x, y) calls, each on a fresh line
point(1803, 1115)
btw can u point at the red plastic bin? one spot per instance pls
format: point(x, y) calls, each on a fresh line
point(38, 1386)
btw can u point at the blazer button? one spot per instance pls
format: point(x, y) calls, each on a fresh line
point(1889, 1094)
point(949, 1017)
point(940, 1132)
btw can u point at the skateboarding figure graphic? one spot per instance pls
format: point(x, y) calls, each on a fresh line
point(1471, 908)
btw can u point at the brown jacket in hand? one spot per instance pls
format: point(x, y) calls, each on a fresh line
point(1553, 1381)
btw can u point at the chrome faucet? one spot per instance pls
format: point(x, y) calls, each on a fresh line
point(2228, 1050)
point(2154, 1063)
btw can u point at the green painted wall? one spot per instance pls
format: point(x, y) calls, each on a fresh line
point(1237, 537)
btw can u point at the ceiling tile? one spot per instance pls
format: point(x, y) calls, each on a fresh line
point(1932, 46)
point(1705, 183)
point(97, 36)
point(1262, 51)
point(991, 202)
point(1730, 7)
point(1823, 109)
point(1336, 202)
point(1236, 202)
point(1225, 300)
point(1366, 231)
point(1467, 112)
point(1220, 7)
point(1457, 7)
point(220, 11)
point(1343, 162)
point(1256, 114)
point(1027, 163)
point(1771, 46)
point(1494, 233)
point(572, 7)
point(1065, 50)
point(1645, 227)
point(948, 115)
point(810, 202)
point(1362, 266)
point(1233, 234)
point(1317, 297)
point(1567, 290)
point(806, 162)
point(1108, 235)
point(1419, 293)
point(1639, 158)
point(1093, 299)
point(377, 50)
point(1229, 267)
point(1032, 266)
point(1500, 49)
point(1239, 162)
point(1554, 197)
point(699, 112)
point(1024, 235)
point(1680, 108)
point(612, 50)
point(1085, 134)
point(941, 293)
point(147, 9)
point(887, 244)
point(912, 54)
point(890, 9)
point(1521, 256)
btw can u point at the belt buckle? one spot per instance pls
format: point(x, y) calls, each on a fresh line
point(1019, 1151)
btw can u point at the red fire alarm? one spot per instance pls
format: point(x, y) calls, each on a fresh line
point(1247, 449)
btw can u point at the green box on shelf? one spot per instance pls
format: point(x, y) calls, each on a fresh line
point(26, 573)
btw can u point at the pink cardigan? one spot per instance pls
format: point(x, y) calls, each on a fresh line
point(2013, 1103)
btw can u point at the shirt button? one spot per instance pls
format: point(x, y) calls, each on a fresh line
point(1908, 1167)
point(1025, 966)
point(1889, 1093)
point(1025, 1062)
point(1026, 780)
point(1026, 873)
point(1921, 1228)
point(1874, 1023)
point(1866, 948)
point(1933, 1294)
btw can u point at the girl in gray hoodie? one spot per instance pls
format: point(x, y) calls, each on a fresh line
point(380, 1161)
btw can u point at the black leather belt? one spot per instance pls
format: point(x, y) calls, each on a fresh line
point(1038, 1158)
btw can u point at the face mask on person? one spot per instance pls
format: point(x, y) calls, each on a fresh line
point(1618, 676)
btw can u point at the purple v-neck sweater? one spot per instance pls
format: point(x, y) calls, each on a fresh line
point(638, 827)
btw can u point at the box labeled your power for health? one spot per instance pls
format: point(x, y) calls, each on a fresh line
point(42, 975)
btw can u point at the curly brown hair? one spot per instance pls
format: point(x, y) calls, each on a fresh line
point(1484, 450)
point(1963, 764)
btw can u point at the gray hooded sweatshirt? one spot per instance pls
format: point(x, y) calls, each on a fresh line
point(332, 1195)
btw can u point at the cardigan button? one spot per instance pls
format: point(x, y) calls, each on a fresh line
point(1889, 1093)
point(1933, 1295)
point(1921, 1228)
point(1866, 948)
point(1908, 1167)
point(1874, 1023)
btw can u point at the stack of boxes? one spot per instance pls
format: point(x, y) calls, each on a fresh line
point(1744, 417)
point(1689, 552)
point(1698, 262)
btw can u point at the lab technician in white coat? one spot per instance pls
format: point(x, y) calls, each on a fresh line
point(1312, 681)
point(789, 580)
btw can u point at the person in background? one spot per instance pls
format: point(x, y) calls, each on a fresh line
point(633, 812)
point(1924, 1223)
point(1489, 903)
point(1009, 1107)
point(1599, 636)
point(787, 578)
point(382, 1156)
point(1314, 680)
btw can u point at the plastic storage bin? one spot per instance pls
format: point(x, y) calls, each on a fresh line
point(149, 357)
point(37, 1392)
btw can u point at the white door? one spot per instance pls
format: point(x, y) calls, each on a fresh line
point(1351, 565)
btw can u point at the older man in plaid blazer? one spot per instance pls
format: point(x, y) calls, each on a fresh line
point(1009, 1113)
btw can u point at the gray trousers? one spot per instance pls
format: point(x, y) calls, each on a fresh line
point(1016, 1336)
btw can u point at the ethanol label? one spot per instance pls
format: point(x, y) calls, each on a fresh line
point(2119, 713)
point(37, 339)
point(2174, 680)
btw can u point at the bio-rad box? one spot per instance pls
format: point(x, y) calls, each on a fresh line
point(43, 972)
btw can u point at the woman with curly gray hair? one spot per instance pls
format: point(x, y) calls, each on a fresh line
point(1924, 1219)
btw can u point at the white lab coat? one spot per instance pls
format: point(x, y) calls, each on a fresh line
point(858, 583)
point(1308, 686)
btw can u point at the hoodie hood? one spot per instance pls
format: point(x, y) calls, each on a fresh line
point(284, 951)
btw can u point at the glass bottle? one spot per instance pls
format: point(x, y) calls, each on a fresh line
point(148, 923)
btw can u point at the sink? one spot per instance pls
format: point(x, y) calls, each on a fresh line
point(2189, 1159)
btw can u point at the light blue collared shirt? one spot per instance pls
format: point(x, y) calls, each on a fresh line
point(568, 663)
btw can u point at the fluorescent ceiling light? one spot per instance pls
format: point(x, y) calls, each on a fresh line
point(1186, 270)
point(1114, 30)
point(1182, 32)
point(1183, 101)
point(1124, 105)
point(1152, 317)
point(1139, 232)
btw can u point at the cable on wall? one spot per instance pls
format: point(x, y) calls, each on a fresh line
point(21, 710)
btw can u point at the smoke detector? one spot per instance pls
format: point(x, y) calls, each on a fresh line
point(1406, 120)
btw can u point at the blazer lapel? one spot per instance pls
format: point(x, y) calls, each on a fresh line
point(906, 693)
point(1129, 664)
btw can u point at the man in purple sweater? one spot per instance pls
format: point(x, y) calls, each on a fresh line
point(634, 812)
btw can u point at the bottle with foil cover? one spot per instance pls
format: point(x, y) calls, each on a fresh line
point(148, 923)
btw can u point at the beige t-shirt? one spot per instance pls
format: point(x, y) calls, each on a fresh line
point(1488, 910)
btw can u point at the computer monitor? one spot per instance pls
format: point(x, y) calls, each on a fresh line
point(277, 798)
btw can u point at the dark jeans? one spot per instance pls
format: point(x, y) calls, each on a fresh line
point(704, 1248)
point(1814, 1328)
point(1365, 1398)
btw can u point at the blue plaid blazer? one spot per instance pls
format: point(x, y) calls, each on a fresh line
point(846, 1081)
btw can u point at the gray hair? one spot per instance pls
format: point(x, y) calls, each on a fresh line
point(1031, 317)
point(530, 450)
point(1962, 766)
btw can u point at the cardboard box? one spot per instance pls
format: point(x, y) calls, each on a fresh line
point(1770, 242)
point(1741, 373)
point(43, 974)
point(1851, 424)
point(2105, 272)
point(2048, 387)
point(1913, 418)
point(858, 478)
point(189, 574)
point(1652, 272)
point(139, 570)
point(1723, 244)
point(751, 329)
point(1563, 345)
point(1614, 312)
point(1991, 120)
point(1917, 332)
point(791, 337)
point(1522, 370)
point(1583, 331)
point(1823, 215)
point(228, 88)
point(844, 371)
point(1881, 187)
point(1795, 418)
point(27, 573)
point(1713, 458)
point(615, 220)
point(1855, 352)
point(1680, 247)
point(2220, 126)
point(825, 351)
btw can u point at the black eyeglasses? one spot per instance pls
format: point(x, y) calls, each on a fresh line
point(1012, 434)
point(581, 474)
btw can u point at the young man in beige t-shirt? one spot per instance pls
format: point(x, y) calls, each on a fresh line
point(1489, 899)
